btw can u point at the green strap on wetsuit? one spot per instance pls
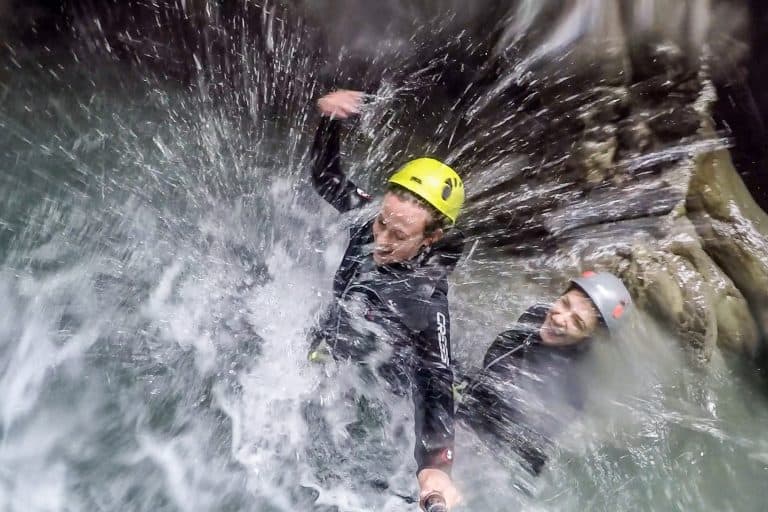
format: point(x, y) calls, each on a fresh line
point(458, 389)
point(319, 353)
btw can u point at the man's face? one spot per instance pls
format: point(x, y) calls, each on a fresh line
point(571, 320)
point(398, 230)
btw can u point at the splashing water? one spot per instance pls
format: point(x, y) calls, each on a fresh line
point(162, 262)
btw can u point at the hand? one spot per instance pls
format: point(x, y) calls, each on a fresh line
point(340, 104)
point(434, 480)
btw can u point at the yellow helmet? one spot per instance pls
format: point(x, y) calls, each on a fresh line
point(435, 183)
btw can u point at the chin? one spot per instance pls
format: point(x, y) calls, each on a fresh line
point(553, 339)
point(548, 340)
point(561, 341)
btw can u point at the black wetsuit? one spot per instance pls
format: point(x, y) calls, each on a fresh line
point(526, 392)
point(399, 310)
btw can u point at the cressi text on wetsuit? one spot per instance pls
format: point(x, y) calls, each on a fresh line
point(526, 392)
point(406, 302)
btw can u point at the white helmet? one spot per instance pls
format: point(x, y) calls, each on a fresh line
point(609, 295)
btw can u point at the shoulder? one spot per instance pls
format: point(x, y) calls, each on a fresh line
point(433, 295)
point(528, 323)
point(438, 292)
point(419, 303)
point(510, 338)
point(534, 315)
point(361, 227)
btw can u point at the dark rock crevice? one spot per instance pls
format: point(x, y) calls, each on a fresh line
point(742, 109)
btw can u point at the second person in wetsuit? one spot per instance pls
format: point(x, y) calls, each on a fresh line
point(393, 280)
point(531, 384)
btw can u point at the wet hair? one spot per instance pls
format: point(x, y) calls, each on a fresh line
point(437, 219)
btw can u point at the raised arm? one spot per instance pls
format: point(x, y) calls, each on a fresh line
point(328, 178)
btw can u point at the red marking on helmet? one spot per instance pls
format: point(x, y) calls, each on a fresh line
point(618, 310)
point(588, 273)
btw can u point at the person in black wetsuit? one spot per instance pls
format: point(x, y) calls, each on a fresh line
point(391, 288)
point(530, 385)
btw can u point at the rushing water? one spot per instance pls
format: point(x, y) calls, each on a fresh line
point(160, 266)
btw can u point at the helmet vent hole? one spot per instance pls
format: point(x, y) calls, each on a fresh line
point(417, 180)
point(447, 190)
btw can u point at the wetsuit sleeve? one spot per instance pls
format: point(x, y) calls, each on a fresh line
point(433, 391)
point(327, 176)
